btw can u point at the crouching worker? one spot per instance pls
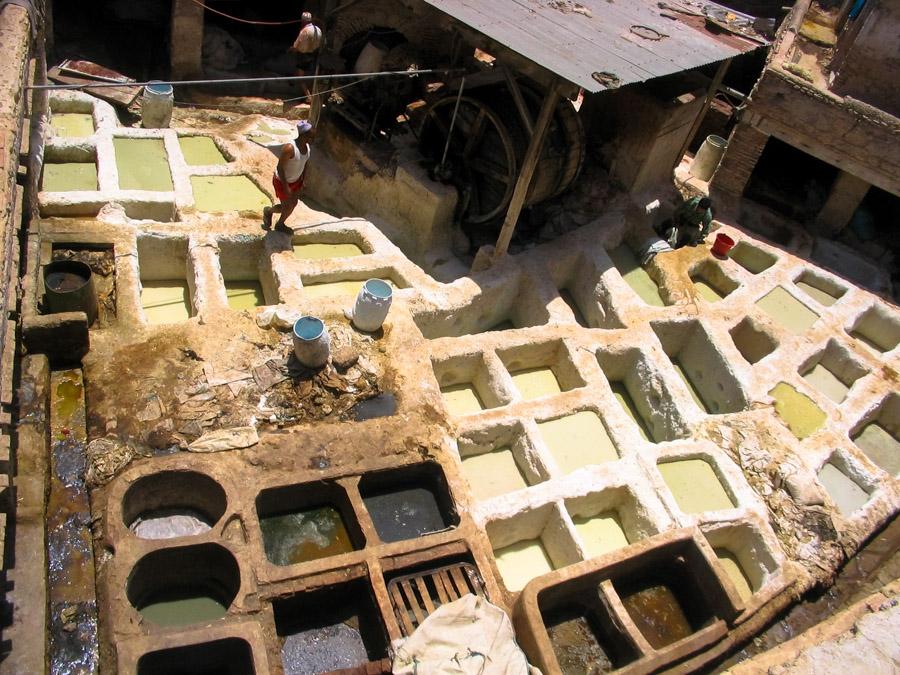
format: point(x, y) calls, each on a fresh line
point(689, 224)
point(288, 177)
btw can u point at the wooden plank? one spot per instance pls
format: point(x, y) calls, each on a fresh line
point(710, 95)
point(460, 581)
point(411, 601)
point(524, 114)
point(425, 595)
point(526, 173)
point(438, 578)
point(123, 96)
point(401, 609)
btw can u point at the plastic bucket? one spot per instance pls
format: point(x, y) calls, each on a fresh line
point(708, 157)
point(156, 105)
point(722, 245)
point(69, 287)
point(372, 305)
point(311, 342)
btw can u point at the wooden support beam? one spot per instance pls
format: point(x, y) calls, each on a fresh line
point(526, 172)
point(519, 100)
point(710, 95)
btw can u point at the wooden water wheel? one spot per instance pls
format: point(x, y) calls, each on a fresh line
point(488, 144)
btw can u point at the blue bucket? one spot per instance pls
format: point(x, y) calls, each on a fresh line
point(378, 288)
point(309, 328)
point(158, 88)
point(311, 342)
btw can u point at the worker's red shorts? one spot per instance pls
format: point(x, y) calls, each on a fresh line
point(280, 192)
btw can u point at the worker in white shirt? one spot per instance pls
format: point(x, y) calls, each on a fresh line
point(289, 175)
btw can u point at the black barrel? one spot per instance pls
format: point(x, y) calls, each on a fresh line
point(69, 287)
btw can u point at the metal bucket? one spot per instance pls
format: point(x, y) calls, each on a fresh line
point(311, 342)
point(707, 159)
point(69, 287)
point(372, 305)
point(156, 106)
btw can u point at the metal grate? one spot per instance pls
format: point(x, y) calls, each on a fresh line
point(415, 596)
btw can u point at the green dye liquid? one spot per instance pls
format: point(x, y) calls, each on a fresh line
point(826, 382)
point(299, 537)
point(802, 416)
point(244, 294)
point(69, 177)
point(817, 294)
point(143, 164)
point(222, 194)
point(845, 492)
point(184, 611)
point(326, 251)
point(695, 486)
point(880, 446)
point(72, 125)
point(200, 151)
point(69, 392)
point(636, 276)
point(735, 572)
point(786, 310)
point(165, 301)
point(706, 291)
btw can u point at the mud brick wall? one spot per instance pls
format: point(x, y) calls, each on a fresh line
point(745, 145)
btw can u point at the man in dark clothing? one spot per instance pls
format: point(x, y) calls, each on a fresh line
point(689, 224)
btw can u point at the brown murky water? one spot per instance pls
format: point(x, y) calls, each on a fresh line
point(658, 615)
point(293, 538)
point(577, 649)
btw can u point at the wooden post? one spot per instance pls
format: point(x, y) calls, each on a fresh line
point(518, 99)
point(710, 95)
point(526, 172)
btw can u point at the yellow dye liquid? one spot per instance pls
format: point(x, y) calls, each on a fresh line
point(326, 251)
point(332, 289)
point(845, 491)
point(690, 385)
point(143, 164)
point(880, 446)
point(222, 194)
point(578, 440)
point(624, 398)
point(200, 151)
point(244, 294)
point(536, 382)
point(493, 473)
point(825, 381)
point(816, 294)
point(797, 411)
point(735, 572)
point(522, 562)
point(786, 310)
point(72, 125)
point(707, 291)
point(636, 276)
point(695, 486)
point(166, 301)
point(462, 399)
point(601, 533)
point(69, 177)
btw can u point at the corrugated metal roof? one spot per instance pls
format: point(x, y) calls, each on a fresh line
point(628, 39)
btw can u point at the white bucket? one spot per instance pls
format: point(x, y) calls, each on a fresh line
point(311, 342)
point(708, 157)
point(370, 58)
point(156, 106)
point(372, 305)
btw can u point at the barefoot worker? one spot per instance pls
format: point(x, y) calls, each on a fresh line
point(288, 177)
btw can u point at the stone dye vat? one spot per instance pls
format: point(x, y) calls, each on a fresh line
point(143, 164)
point(797, 411)
point(695, 485)
point(648, 608)
point(200, 151)
point(173, 504)
point(752, 341)
point(572, 303)
point(493, 473)
point(329, 629)
point(601, 533)
point(69, 177)
point(620, 391)
point(822, 290)
point(786, 310)
point(751, 258)
point(636, 276)
point(536, 382)
point(348, 289)
point(880, 444)
point(409, 502)
point(165, 301)
point(231, 656)
point(223, 194)
point(521, 562)
point(314, 251)
point(244, 294)
point(843, 490)
point(72, 125)
point(578, 440)
point(878, 328)
point(301, 523)
point(462, 399)
point(735, 572)
point(184, 585)
point(710, 283)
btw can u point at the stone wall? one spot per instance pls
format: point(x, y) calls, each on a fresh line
point(868, 65)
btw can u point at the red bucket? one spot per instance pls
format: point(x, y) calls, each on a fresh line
point(722, 245)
